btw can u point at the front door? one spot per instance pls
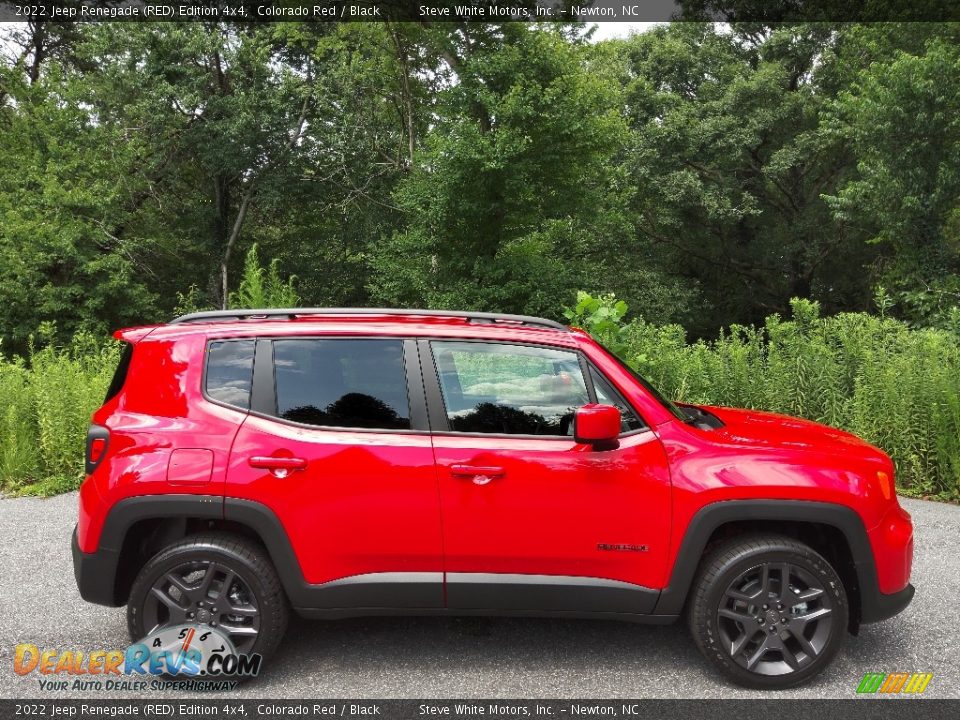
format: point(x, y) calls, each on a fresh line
point(533, 520)
point(337, 447)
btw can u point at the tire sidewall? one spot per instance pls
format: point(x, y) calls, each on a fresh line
point(168, 559)
point(706, 625)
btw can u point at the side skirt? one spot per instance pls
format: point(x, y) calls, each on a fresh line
point(479, 594)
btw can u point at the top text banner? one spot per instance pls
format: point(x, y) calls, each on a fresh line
point(587, 11)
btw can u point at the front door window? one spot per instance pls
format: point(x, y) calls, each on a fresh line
point(509, 389)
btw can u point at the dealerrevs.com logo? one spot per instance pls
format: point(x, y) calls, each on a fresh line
point(183, 657)
point(897, 683)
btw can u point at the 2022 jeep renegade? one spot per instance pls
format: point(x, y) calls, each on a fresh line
point(345, 462)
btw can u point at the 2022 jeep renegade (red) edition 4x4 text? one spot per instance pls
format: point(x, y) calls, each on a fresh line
point(346, 462)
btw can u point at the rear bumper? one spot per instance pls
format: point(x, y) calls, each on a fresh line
point(95, 573)
point(878, 606)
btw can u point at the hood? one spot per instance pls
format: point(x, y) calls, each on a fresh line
point(756, 428)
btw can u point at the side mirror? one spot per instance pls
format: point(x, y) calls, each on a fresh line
point(598, 425)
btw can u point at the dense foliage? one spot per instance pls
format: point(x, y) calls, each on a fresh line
point(706, 174)
point(46, 401)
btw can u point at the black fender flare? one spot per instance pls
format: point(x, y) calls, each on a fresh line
point(96, 572)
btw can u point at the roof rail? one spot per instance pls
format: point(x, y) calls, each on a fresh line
point(291, 313)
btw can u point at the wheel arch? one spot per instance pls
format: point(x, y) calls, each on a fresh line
point(835, 531)
point(137, 528)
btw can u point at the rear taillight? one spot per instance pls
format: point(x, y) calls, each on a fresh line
point(98, 440)
point(97, 447)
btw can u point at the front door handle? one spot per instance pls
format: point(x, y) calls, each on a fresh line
point(479, 474)
point(279, 467)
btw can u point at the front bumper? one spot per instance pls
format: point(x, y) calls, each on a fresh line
point(878, 606)
point(95, 573)
point(891, 547)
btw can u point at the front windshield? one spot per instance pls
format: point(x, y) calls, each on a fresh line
point(675, 411)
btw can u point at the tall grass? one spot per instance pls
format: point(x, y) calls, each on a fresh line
point(894, 386)
point(46, 401)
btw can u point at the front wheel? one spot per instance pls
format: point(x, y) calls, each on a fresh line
point(213, 580)
point(768, 611)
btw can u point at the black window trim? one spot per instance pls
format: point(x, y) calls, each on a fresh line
point(206, 363)
point(428, 413)
point(263, 402)
point(439, 422)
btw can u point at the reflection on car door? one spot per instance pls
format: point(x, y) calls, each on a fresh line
point(338, 448)
point(533, 520)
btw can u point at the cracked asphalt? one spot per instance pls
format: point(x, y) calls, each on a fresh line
point(376, 658)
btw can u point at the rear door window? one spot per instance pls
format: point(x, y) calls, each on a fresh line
point(340, 382)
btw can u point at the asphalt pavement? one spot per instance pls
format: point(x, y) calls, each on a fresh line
point(375, 658)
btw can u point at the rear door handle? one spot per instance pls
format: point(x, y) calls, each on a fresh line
point(278, 466)
point(479, 474)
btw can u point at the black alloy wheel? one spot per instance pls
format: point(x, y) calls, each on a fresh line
point(775, 619)
point(214, 580)
point(768, 611)
point(206, 593)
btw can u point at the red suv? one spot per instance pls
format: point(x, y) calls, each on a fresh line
point(345, 462)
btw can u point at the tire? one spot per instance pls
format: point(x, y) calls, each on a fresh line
point(255, 595)
point(740, 583)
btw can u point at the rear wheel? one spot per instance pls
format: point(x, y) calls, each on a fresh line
point(768, 611)
point(214, 580)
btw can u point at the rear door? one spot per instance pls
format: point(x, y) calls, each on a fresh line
point(336, 445)
point(532, 519)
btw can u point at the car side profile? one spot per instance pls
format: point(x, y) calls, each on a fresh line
point(350, 462)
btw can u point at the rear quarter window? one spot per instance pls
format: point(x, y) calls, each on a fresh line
point(229, 372)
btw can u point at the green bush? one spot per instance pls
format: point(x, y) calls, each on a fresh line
point(894, 386)
point(262, 287)
point(46, 402)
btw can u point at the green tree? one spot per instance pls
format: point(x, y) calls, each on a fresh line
point(703, 174)
point(730, 158)
point(61, 199)
point(901, 119)
point(515, 197)
point(262, 287)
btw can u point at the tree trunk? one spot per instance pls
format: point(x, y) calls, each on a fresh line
point(245, 205)
point(231, 241)
point(221, 227)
